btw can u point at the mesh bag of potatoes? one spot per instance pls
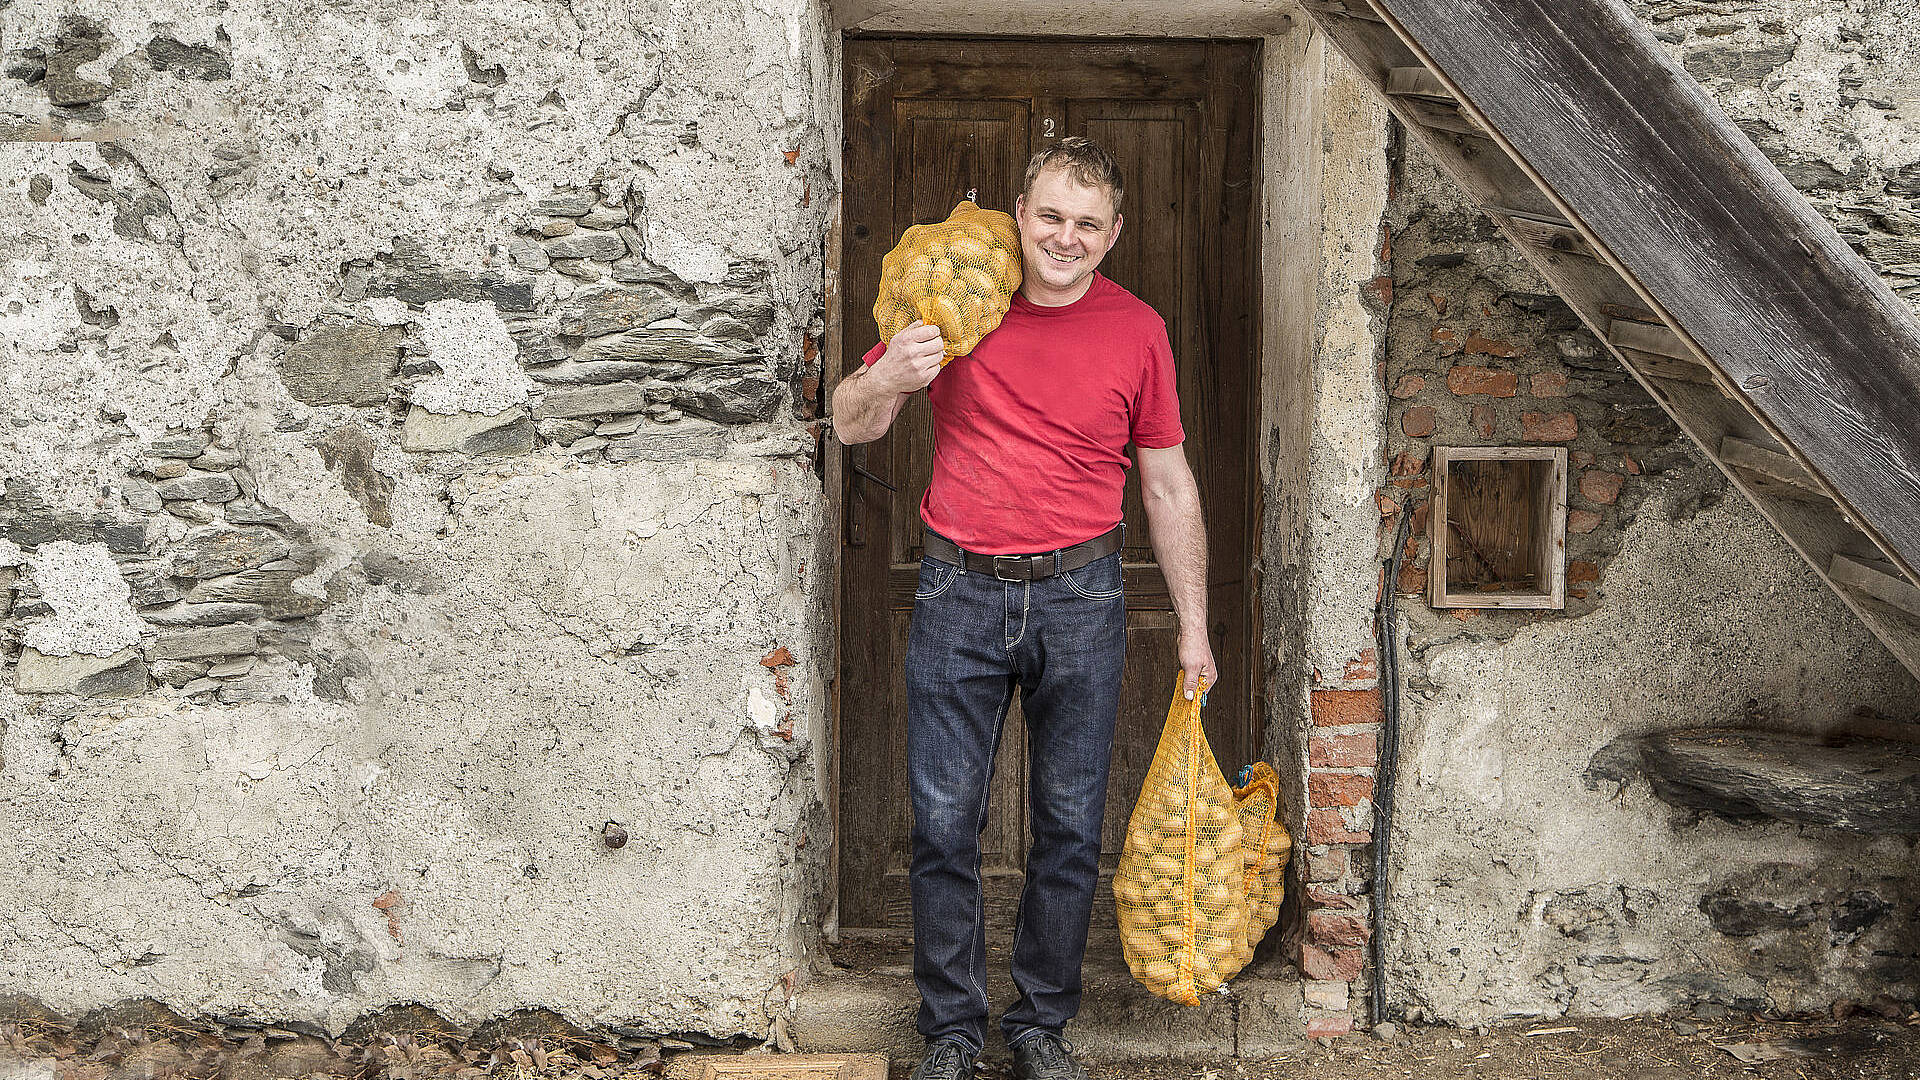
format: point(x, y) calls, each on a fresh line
point(1189, 889)
point(959, 274)
point(1264, 846)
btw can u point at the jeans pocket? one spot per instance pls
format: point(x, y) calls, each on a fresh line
point(1098, 580)
point(935, 578)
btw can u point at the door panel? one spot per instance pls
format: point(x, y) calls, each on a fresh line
point(927, 120)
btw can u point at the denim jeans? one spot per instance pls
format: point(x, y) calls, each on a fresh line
point(974, 639)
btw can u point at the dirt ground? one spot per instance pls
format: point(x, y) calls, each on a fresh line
point(1863, 1046)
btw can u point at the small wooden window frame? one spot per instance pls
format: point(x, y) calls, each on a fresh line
point(1551, 504)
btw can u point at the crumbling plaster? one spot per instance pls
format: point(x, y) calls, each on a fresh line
point(444, 661)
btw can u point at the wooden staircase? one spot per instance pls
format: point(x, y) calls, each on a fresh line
point(1773, 346)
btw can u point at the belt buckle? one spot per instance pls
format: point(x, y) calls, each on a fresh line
point(1002, 577)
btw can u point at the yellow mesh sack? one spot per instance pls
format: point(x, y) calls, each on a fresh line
point(959, 275)
point(1180, 889)
point(1264, 846)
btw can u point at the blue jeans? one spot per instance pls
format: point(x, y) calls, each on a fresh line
point(974, 639)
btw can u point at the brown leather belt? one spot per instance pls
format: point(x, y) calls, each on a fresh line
point(1023, 567)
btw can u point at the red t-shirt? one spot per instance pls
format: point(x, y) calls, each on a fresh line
point(1030, 429)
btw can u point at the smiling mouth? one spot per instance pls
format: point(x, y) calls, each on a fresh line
point(1059, 258)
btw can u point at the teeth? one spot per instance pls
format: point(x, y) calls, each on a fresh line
point(1057, 257)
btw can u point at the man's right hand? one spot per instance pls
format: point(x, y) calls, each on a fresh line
point(911, 361)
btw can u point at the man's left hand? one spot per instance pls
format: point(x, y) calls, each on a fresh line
point(1196, 663)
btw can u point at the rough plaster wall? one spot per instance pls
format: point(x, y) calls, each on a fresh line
point(407, 473)
point(1527, 879)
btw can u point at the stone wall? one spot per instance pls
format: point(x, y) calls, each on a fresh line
point(410, 484)
point(1531, 876)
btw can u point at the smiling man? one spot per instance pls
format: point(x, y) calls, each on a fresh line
point(1021, 589)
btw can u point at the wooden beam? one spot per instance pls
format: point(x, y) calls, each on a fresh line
point(1419, 82)
point(1878, 579)
point(1729, 253)
point(1744, 454)
point(1650, 338)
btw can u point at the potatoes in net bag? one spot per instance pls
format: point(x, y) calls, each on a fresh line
point(959, 275)
point(1180, 889)
point(1265, 846)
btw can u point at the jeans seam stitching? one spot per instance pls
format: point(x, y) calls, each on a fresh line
point(952, 575)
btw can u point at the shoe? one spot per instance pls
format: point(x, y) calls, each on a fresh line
point(947, 1059)
point(1045, 1056)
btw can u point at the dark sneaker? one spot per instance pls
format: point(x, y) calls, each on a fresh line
point(1045, 1056)
point(947, 1059)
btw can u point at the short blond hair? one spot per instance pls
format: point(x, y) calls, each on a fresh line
point(1085, 160)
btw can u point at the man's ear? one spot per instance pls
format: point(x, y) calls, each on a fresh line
point(1115, 238)
point(1019, 206)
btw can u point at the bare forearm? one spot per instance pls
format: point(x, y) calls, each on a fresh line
point(862, 412)
point(1180, 544)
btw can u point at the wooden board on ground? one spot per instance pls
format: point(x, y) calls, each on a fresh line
point(795, 1067)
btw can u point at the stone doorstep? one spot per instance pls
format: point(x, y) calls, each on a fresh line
point(1119, 1021)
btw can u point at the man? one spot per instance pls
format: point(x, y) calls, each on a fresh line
point(1021, 588)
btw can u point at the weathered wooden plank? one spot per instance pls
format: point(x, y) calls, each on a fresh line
point(1650, 338)
point(1853, 783)
point(1744, 454)
point(1633, 149)
point(1417, 81)
point(1878, 579)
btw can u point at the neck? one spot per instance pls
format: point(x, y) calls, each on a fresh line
point(1038, 292)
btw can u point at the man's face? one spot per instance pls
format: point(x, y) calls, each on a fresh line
point(1066, 228)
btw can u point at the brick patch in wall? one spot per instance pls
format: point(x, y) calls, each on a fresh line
point(1548, 427)
point(1337, 928)
point(1408, 386)
point(1329, 1027)
point(1326, 995)
point(1482, 421)
point(1363, 668)
point(1328, 896)
point(1581, 570)
point(1582, 521)
point(1413, 579)
point(1328, 865)
point(1338, 789)
point(1548, 384)
point(1597, 485)
point(1486, 346)
point(1326, 825)
point(1471, 379)
point(1418, 422)
point(1341, 964)
point(1333, 707)
point(1359, 751)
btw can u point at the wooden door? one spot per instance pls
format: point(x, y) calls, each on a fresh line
point(928, 120)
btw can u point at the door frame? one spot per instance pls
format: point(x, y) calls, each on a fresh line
point(1294, 193)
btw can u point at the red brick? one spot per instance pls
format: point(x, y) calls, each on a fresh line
point(1330, 896)
point(1361, 667)
point(1329, 1027)
point(1548, 384)
point(1632, 466)
point(1579, 459)
point(1326, 826)
point(1484, 346)
point(1331, 866)
point(1383, 288)
point(1418, 422)
point(1601, 486)
point(1407, 464)
point(1330, 707)
point(1340, 964)
point(1471, 379)
point(1548, 427)
point(1337, 928)
point(1579, 571)
point(1360, 751)
point(1438, 301)
point(1408, 386)
point(1413, 579)
point(1338, 789)
point(1441, 333)
point(1582, 521)
point(1387, 506)
point(1419, 525)
point(1482, 421)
